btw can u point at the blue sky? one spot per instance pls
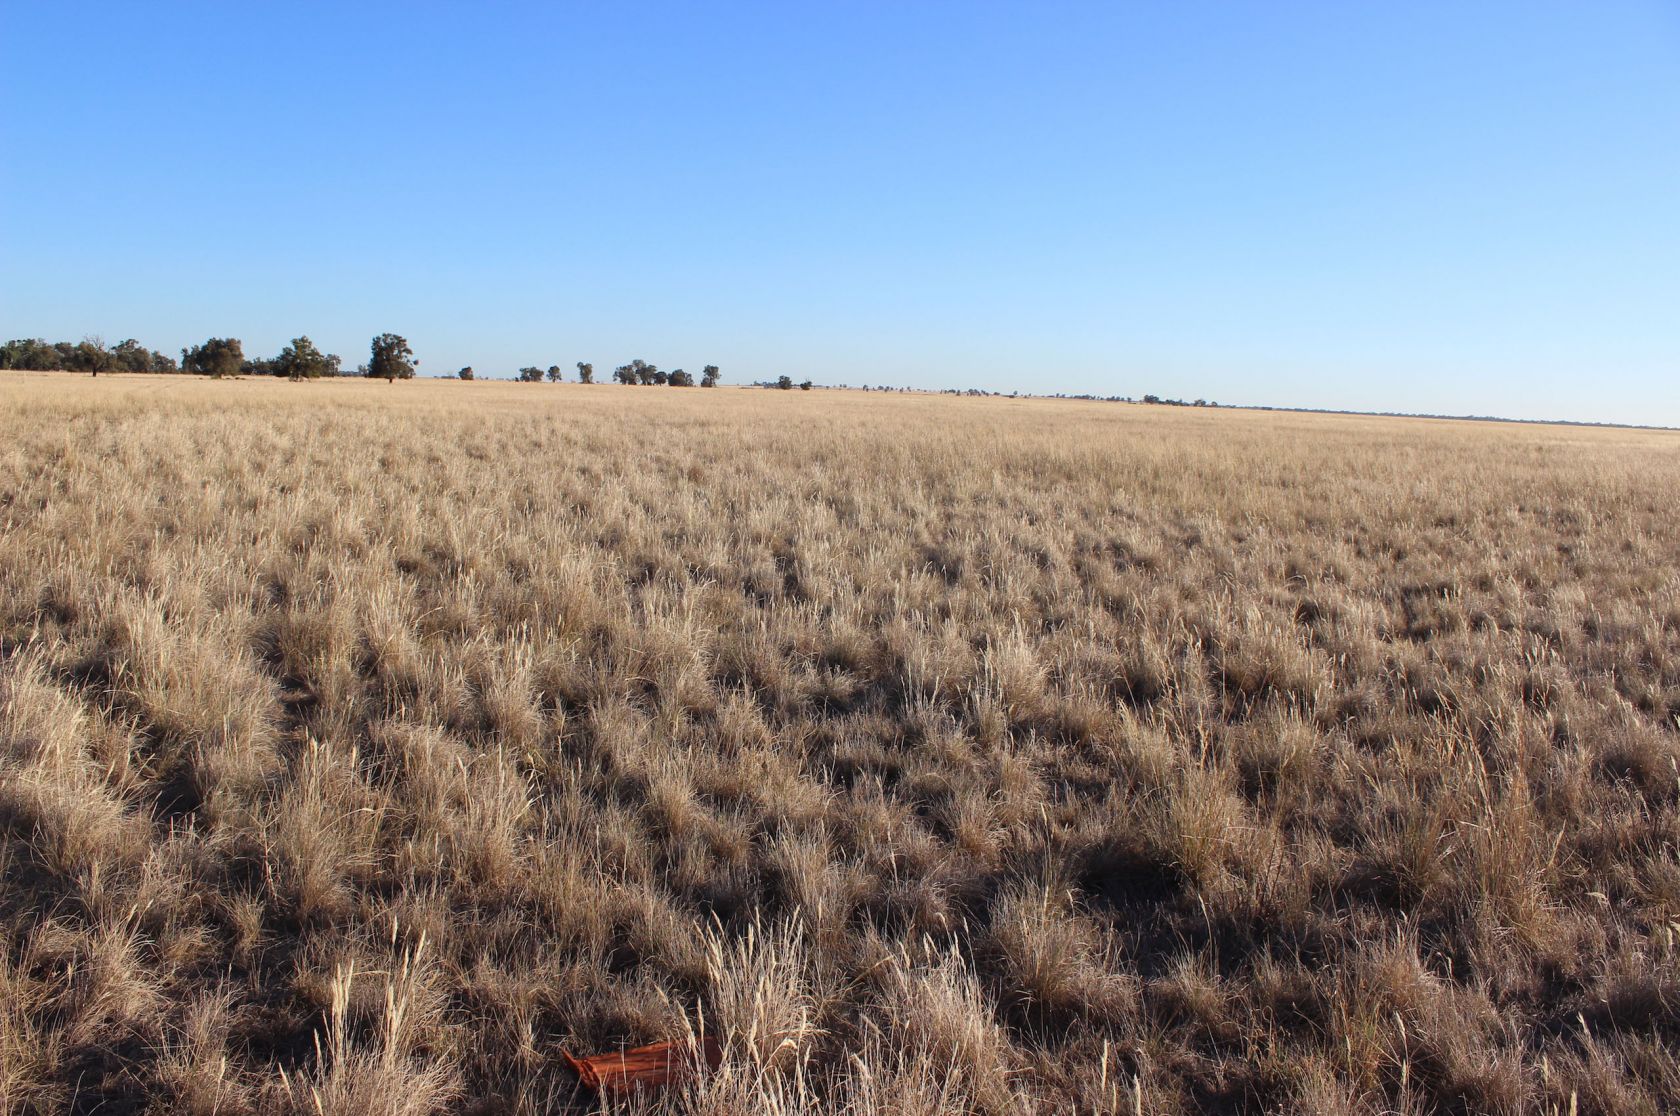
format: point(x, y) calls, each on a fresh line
point(1464, 208)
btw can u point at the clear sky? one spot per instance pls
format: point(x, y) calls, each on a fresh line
point(1447, 207)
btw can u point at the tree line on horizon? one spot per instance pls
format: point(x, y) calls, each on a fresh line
point(217, 357)
point(637, 373)
point(390, 358)
point(90, 354)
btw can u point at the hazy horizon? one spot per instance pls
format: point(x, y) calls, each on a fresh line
point(1422, 210)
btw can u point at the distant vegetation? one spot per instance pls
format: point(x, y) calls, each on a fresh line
point(222, 357)
point(88, 355)
point(390, 358)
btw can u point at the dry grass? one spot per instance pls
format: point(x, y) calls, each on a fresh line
point(362, 745)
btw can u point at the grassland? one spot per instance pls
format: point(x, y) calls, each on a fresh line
point(362, 745)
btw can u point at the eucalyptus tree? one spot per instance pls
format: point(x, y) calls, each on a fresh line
point(392, 359)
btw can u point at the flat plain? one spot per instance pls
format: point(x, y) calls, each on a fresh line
point(364, 745)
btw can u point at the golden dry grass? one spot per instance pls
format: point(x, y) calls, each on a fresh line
point(361, 744)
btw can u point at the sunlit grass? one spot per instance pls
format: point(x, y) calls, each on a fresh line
point(361, 745)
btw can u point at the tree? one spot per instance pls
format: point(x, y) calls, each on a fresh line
point(586, 372)
point(465, 373)
point(661, 378)
point(679, 378)
point(301, 360)
point(709, 376)
point(218, 357)
point(131, 356)
point(554, 374)
point(637, 371)
point(91, 355)
point(31, 353)
point(805, 385)
point(785, 383)
point(392, 358)
point(647, 374)
point(530, 374)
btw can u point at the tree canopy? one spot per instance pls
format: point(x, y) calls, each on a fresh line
point(89, 355)
point(218, 357)
point(392, 358)
point(301, 360)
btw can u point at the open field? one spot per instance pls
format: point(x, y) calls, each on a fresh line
point(362, 745)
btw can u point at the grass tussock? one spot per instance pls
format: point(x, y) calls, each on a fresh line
point(361, 748)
